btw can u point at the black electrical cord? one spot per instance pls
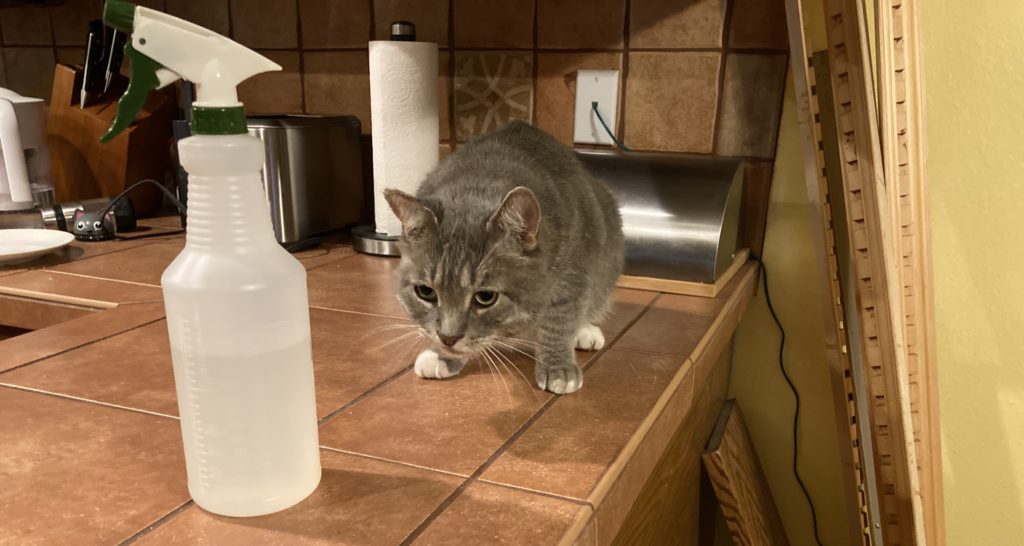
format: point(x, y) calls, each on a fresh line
point(796, 396)
point(593, 106)
point(167, 192)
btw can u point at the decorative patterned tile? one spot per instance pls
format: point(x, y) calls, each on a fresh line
point(660, 24)
point(330, 24)
point(556, 88)
point(676, 117)
point(751, 100)
point(491, 89)
point(429, 16)
point(496, 23)
point(577, 24)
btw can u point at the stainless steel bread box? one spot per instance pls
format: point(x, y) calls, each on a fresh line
point(313, 175)
point(680, 214)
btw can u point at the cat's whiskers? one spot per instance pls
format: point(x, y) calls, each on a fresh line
point(495, 366)
point(516, 349)
point(383, 329)
point(396, 340)
point(479, 359)
point(529, 386)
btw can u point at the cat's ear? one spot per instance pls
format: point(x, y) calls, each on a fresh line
point(519, 216)
point(417, 220)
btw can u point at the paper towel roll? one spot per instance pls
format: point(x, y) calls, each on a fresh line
point(403, 114)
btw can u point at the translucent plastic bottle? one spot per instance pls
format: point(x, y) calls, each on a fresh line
point(238, 319)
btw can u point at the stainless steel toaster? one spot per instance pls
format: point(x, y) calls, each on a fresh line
point(313, 174)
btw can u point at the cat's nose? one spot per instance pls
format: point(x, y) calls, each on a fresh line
point(450, 340)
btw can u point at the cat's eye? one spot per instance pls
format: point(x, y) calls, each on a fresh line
point(80, 225)
point(485, 298)
point(96, 225)
point(426, 293)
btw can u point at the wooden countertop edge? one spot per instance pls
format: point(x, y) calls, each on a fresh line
point(56, 298)
point(583, 518)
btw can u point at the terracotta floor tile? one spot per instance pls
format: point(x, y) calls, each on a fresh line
point(452, 425)
point(80, 473)
point(359, 501)
point(132, 369)
point(569, 448)
point(46, 284)
point(143, 264)
point(491, 514)
point(77, 250)
point(672, 325)
point(354, 353)
point(627, 304)
point(75, 333)
point(361, 283)
point(325, 254)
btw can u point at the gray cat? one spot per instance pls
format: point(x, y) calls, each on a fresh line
point(509, 238)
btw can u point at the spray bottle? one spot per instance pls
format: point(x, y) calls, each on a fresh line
point(236, 302)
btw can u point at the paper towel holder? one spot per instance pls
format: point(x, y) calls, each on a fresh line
point(366, 238)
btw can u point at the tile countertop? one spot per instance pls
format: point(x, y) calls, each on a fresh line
point(90, 449)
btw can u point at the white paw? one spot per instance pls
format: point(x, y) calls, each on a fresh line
point(589, 338)
point(430, 366)
point(559, 380)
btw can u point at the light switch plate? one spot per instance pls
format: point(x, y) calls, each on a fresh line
point(601, 86)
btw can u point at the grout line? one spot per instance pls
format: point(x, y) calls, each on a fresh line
point(620, 126)
point(90, 342)
point(574, 500)
point(330, 416)
point(514, 437)
point(535, 69)
point(87, 401)
point(386, 460)
point(451, 76)
point(302, 57)
point(373, 23)
point(722, 59)
point(231, 20)
point(375, 316)
point(163, 519)
point(53, 35)
point(108, 279)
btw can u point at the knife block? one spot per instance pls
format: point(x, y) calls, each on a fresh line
point(83, 168)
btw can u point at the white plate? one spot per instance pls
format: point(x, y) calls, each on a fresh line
point(22, 245)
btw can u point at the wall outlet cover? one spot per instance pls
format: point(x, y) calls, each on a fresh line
point(602, 87)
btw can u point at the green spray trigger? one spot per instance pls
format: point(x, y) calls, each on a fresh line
point(143, 79)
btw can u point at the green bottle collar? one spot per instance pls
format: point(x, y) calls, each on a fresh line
point(210, 120)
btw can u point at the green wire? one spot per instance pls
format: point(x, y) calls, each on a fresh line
point(593, 106)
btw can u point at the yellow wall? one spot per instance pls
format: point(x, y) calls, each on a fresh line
point(974, 81)
point(758, 384)
point(974, 72)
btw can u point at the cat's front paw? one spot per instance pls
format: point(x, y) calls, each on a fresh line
point(430, 365)
point(560, 379)
point(589, 338)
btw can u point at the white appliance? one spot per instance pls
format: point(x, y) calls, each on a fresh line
point(24, 158)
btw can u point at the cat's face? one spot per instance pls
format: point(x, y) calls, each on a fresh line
point(470, 282)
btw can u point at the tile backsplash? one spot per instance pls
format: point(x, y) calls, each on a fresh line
point(698, 76)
